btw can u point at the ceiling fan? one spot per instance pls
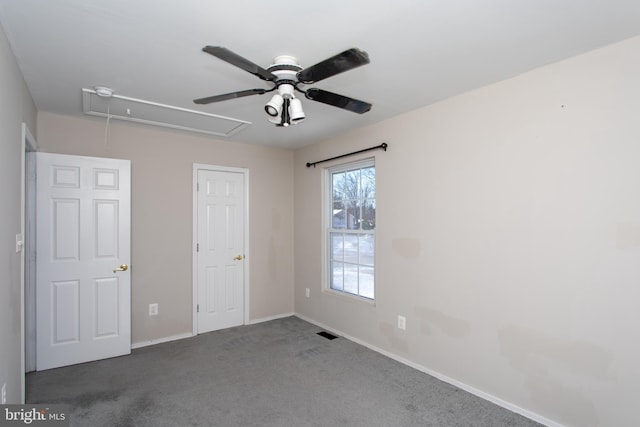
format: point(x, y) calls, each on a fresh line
point(287, 75)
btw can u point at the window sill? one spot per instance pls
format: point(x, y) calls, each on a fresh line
point(349, 296)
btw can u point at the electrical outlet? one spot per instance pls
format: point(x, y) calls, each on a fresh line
point(153, 309)
point(402, 323)
point(307, 292)
point(4, 393)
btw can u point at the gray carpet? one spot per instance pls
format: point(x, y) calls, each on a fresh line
point(278, 373)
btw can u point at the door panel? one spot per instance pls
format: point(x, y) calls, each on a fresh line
point(220, 271)
point(106, 229)
point(83, 225)
point(65, 307)
point(107, 301)
point(65, 228)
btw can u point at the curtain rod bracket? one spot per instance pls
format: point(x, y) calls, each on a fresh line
point(384, 146)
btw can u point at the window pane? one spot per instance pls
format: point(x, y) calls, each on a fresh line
point(338, 185)
point(337, 276)
point(338, 216)
point(337, 247)
point(368, 221)
point(352, 185)
point(366, 250)
point(353, 215)
point(351, 248)
point(366, 282)
point(351, 279)
point(368, 182)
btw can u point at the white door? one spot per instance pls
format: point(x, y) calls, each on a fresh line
point(220, 249)
point(83, 284)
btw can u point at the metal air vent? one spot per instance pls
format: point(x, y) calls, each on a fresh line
point(151, 113)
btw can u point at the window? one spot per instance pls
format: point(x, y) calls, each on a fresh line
point(351, 220)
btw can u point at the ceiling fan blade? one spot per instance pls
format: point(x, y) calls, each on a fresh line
point(345, 61)
point(240, 62)
point(232, 95)
point(339, 101)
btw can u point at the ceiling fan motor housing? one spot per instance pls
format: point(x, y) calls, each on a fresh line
point(285, 68)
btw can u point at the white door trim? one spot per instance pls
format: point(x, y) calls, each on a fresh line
point(27, 301)
point(194, 256)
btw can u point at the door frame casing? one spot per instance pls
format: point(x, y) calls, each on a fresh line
point(27, 266)
point(246, 294)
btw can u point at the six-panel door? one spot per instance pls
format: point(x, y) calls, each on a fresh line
point(221, 205)
point(83, 296)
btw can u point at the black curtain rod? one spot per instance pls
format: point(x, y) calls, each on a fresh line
point(384, 146)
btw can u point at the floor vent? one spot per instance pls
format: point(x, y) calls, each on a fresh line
point(151, 113)
point(327, 335)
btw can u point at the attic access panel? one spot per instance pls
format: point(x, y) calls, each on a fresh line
point(151, 113)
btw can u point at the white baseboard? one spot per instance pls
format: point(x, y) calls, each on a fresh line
point(160, 340)
point(266, 319)
point(189, 335)
point(486, 396)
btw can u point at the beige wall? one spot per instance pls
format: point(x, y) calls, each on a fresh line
point(162, 172)
point(16, 106)
point(508, 235)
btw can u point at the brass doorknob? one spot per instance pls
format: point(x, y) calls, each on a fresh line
point(123, 267)
point(238, 257)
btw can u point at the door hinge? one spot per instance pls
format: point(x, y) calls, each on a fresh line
point(197, 186)
point(197, 308)
point(197, 247)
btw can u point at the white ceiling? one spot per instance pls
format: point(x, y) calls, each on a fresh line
point(421, 51)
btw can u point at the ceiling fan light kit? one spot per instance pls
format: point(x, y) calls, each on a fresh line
point(295, 111)
point(284, 109)
point(274, 107)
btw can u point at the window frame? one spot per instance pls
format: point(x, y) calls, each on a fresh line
point(328, 231)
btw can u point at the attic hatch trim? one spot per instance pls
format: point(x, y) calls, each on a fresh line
point(91, 100)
